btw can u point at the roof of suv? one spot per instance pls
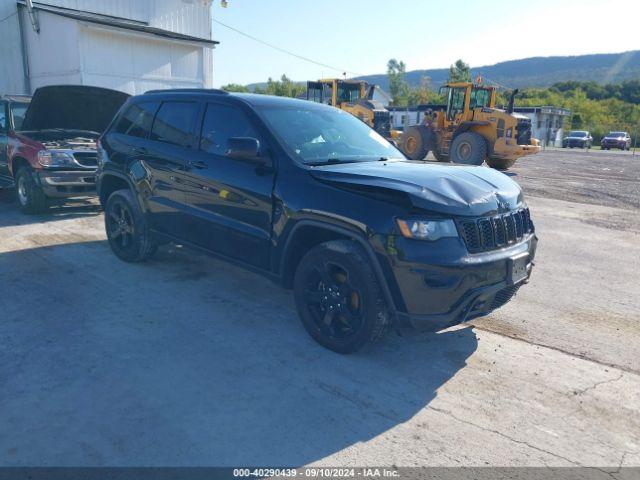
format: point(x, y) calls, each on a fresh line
point(253, 99)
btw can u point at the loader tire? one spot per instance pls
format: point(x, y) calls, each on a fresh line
point(468, 148)
point(416, 142)
point(500, 164)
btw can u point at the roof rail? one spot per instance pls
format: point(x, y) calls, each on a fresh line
point(189, 90)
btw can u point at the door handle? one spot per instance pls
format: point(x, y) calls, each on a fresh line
point(140, 151)
point(199, 164)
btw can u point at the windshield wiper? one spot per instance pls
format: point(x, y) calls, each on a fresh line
point(329, 161)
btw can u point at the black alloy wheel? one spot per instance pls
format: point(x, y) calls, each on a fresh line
point(126, 228)
point(334, 300)
point(120, 226)
point(338, 297)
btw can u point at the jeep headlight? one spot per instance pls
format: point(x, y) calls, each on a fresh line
point(53, 158)
point(427, 229)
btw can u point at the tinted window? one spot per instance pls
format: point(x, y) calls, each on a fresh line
point(174, 123)
point(137, 120)
point(222, 122)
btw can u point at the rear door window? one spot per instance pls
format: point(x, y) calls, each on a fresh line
point(221, 122)
point(137, 120)
point(174, 123)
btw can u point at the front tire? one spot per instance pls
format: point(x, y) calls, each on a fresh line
point(31, 198)
point(468, 148)
point(127, 229)
point(416, 142)
point(338, 297)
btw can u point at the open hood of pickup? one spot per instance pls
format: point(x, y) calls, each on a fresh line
point(447, 189)
point(72, 107)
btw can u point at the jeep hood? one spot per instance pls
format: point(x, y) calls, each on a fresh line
point(447, 189)
point(72, 107)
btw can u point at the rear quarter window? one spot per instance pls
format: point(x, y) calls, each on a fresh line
point(137, 119)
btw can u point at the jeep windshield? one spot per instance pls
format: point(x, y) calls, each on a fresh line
point(317, 136)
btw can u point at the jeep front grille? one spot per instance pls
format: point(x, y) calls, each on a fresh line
point(490, 233)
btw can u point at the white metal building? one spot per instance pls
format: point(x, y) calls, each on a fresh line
point(547, 123)
point(127, 45)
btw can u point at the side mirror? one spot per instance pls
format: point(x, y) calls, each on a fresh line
point(245, 148)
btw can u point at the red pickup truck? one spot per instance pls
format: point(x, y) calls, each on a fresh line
point(48, 145)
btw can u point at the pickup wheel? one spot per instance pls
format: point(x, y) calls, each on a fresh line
point(127, 229)
point(338, 297)
point(468, 148)
point(31, 198)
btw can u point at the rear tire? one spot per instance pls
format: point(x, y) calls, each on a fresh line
point(468, 148)
point(127, 229)
point(338, 297)
point(500, 164)
point(31, 198)
point(416, 142)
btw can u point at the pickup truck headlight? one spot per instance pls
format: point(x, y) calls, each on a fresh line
point(427, 229)
point(52, 158)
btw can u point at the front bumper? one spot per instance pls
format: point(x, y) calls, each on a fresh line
point(66, 183)
point(574, 144)
point(438, 292)
point(613, 144)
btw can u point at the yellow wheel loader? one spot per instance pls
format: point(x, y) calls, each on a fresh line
point(355, 97)
point(470, 130)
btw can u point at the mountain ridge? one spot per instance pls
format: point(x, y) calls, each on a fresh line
point(533, 71)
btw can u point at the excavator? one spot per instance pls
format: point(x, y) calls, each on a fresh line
point(469, 129)
point(355, 97)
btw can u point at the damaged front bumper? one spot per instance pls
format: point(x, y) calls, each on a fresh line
point(438, 292)
point(67, 183)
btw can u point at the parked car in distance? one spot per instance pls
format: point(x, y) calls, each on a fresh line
point(48, 146)
point(578, 138)
point(314, 199)
point(621, 140)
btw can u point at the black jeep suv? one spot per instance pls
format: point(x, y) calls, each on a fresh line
point(313, 198)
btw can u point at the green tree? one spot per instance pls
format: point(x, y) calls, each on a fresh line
point(398, 86)
point(423, 93)
point(235, 87)
point(459, 72)
point(282, 88)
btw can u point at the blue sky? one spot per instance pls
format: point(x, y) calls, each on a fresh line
point(360, 36)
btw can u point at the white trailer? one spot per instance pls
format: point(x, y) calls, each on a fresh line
point(127, 45)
